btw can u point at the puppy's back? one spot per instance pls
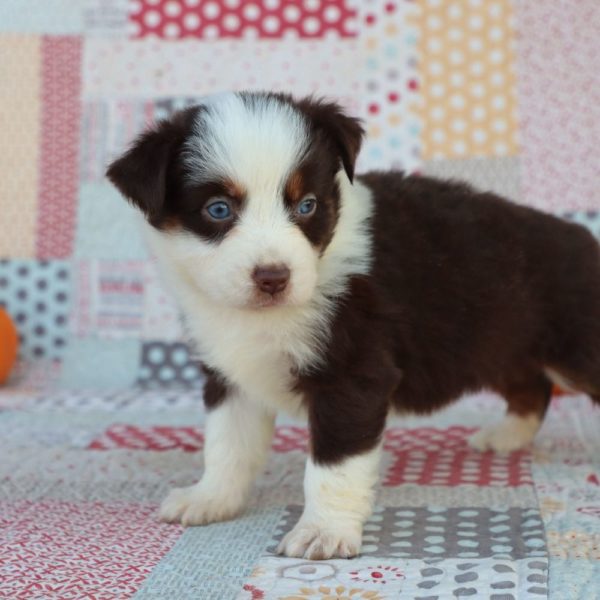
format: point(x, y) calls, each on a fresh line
point(485, 283)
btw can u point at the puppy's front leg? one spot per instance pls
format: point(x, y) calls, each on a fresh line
point(238, 437)
point(339, 499)
point(341, 472)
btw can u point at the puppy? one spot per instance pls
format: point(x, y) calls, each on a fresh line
point(342, 298)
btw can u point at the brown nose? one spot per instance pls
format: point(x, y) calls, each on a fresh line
point(271, 279)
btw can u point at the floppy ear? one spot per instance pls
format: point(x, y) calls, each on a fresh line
point(141, 173)
point(344, 131)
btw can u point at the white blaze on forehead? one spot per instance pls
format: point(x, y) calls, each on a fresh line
point(255, 142)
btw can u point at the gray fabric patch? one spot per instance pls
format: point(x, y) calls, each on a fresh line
point(460, 592)
point(538, 590)
point(504, 568)
point(165, 364)
point(436, 533)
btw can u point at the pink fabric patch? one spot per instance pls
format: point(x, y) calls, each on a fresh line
point(132, 437)
point(110, 298)
point(188, 439)
point(430, 456)
point(177, 19)
point(58, 176)
point(55, 549)
point(559, 103)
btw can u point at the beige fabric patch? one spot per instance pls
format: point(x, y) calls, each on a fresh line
point(19, 151)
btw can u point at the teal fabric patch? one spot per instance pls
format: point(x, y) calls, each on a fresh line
point(48, 17)
point(212, 562)
point(587, 218)
point(574, 579)
point(94, 363)
point(107, 225)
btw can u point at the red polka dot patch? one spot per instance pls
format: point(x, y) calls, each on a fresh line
point(178, 19)
point(431, 456)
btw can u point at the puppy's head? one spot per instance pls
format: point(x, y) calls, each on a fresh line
point(242, 192)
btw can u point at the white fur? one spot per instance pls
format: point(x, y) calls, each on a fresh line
point(256, 348)
point(238, 436)
point(255, 144)
point(512, 433)
point(349, 252)
point(338, 500)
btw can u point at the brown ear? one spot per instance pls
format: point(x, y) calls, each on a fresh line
point(141, 173)
point(344, 131)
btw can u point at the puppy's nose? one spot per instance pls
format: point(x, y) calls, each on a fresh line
point(271, 279)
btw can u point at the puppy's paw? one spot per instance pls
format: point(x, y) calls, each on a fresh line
point(513, 433)
point(320, 541)
point(195, 506)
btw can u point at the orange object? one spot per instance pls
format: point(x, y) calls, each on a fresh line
point(9, 344)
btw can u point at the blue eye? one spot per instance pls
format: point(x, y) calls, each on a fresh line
point(307, 206)
point(219, 211)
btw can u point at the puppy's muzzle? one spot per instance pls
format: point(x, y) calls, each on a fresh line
point(271, 279)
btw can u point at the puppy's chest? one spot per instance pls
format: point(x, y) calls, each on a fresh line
point(260, 362)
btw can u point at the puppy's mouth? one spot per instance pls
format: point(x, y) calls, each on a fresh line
point(265, 300)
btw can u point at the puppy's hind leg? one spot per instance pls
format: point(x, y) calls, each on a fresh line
point(527, 403)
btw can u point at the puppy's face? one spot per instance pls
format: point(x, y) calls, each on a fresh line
point(243, 193)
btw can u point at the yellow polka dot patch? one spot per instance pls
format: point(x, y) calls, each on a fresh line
point(468, 103)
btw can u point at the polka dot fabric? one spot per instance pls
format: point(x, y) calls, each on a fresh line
point(428, 456)
point(468, 101)
point(389, 86)
point(166, 365)
point(37, 296)
point(177, 19)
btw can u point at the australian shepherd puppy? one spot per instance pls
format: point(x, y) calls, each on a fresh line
point(343, 298)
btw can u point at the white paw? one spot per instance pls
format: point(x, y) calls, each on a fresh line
point(513, 433)
point(194, 506)
point(314, 541)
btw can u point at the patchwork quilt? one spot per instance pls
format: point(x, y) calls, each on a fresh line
point(103, 412)
point(82, 475)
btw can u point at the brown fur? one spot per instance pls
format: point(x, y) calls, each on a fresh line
point(294, 189)
point(215, 388)
point(316, 176)
point(468, 291)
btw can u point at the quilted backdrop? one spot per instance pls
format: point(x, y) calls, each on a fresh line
point(504, 94)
